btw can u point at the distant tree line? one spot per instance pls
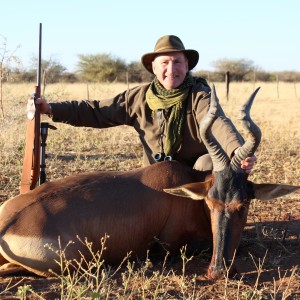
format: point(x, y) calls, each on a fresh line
point(106, 68)
point(245, 70)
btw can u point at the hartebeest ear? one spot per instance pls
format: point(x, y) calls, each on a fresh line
point(195, 190)
point(267, 191)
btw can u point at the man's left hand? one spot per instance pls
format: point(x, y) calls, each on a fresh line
point(248, 164)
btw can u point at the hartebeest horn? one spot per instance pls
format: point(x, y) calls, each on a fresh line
point(254, 132)
point(218, 156)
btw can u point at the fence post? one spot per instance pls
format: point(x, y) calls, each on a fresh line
point(87, 91)
point(127, 80)
point(254, 79)
point(227, 81)
point(277, 79)
point(295, 89)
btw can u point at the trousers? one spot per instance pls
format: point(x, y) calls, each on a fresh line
point(203, 163)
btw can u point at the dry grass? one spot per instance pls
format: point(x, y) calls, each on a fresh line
point(269, 256)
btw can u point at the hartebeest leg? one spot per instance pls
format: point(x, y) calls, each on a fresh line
point(8, 268)
point(2, 260)
point(12, 269)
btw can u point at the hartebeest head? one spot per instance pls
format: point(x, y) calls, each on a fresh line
point(228, 193)
point(228, 197)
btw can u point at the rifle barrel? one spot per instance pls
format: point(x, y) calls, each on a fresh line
point(39, 70)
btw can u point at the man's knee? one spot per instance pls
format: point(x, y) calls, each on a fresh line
point(203, 163)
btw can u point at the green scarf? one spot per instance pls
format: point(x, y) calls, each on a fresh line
point(158, 97)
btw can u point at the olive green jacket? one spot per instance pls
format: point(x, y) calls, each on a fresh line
point(130, 108)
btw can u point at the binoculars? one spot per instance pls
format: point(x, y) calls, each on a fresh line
point(161, 156)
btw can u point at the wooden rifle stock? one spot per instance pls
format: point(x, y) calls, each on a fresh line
point(31, 161)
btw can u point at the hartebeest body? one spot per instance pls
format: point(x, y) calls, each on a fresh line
point(135, 209)
point(130, 207)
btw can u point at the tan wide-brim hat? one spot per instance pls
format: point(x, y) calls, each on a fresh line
point(168, 44)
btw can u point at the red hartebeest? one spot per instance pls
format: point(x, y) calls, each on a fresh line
point(136, 208)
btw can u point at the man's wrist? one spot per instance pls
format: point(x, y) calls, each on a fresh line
point(236, 150)
point(49, 112)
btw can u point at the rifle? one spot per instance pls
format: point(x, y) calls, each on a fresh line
point(31, 161)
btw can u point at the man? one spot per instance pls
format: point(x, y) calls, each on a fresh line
point(166, 113)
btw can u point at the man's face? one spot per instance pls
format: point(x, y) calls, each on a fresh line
point(170, 69)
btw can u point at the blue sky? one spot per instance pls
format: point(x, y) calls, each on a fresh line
point(264, 31)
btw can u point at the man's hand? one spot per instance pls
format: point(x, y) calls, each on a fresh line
point(248, 164)
point(43, 105)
